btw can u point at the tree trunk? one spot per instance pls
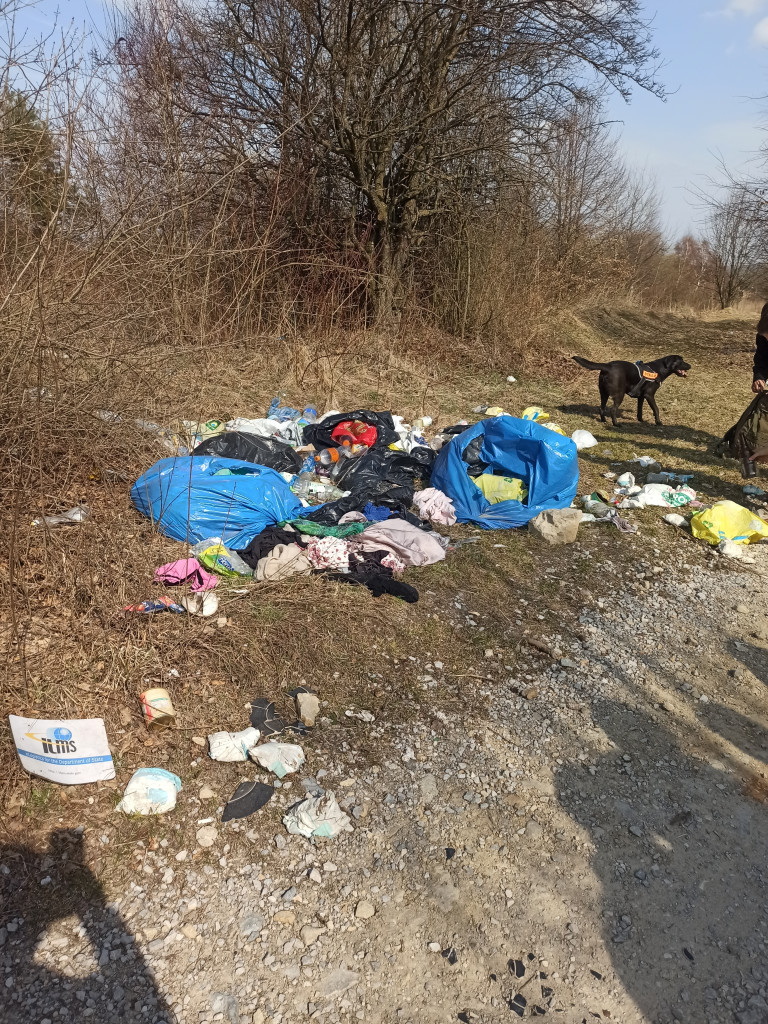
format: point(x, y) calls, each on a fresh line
point(390, 258)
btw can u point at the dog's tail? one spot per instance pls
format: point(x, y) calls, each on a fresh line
point(588, 364)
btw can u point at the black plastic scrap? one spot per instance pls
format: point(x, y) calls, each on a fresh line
point(264, 718)
point(248, 798)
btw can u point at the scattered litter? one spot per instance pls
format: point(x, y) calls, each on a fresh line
point(535, 413)
point(233, 746)
point(675, 519)
point(70, 751)
point(511, 379)
point(204, 605)
point(317, 816)
point(731, 549)
point(281, 758)
point(264, 718)
point(583, 439)
point(157, 708)
point(363, 716)
point(754, 492)
point(669, 478)
point(659, 496)
point(156, 604)
point(75, 515)
point(625, 480)
point(150, 791)
point(450, 955)
point(248, 798)
point(644, 460)
point(214, 555)
point(728, 521)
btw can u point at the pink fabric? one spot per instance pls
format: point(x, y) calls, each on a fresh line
point(184, 568)
point(329, 553)
point(435, 506)
point(408, 543)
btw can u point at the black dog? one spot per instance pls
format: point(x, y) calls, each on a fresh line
point(619, 378)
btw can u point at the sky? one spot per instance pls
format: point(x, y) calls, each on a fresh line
point(715, 57)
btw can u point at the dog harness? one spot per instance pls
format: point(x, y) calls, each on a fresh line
point(646, 374)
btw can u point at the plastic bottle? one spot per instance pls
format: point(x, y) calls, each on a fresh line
point(315, 490)
point(330, 457)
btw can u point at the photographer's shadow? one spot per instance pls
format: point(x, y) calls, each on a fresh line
point(86, 968)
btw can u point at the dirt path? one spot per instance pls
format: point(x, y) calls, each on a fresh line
point(589, 853)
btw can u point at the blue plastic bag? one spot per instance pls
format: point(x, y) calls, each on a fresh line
point(545, 461)
point(186, 500)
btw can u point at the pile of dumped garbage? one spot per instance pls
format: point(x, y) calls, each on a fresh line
point(353, 496)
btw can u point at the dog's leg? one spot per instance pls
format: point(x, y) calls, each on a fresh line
point(654, 409)
point(617, 400)
point(603, 398)
point(640, 401)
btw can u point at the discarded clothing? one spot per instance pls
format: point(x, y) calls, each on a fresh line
point(184, 569)
point(317, 816)
point(232, 746)
point(328, 553)
point(283, 561)
point(410, 544)
point(435, 506)
point(312, 529)
point(265, 542)
point(378, 583)
point(376, 513)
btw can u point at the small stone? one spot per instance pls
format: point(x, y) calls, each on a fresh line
point(636, 830)
point(251, 924)
point(531, 694)
point(286, 917)
point(310, 933)
point(534, 830)
point(315, 876)
point(199, 740)
point(489, 652)
point(742, 609)
point(337, 982)
point(181, 855)
point(206, 793)
point(434, 947)
point(290, 894)
point(308, 708)
point(364, 910)
point(207, 836)
point(428, 787)
point(189, 931)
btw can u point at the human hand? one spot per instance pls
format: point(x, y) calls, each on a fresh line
point(758, 386)
point(761, 455)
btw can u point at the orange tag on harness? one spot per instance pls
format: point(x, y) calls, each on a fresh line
point(649, 375)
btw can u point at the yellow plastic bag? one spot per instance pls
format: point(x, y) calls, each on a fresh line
point(501, 488)
point(554, 426)
point(728, 521)
point(534, 412)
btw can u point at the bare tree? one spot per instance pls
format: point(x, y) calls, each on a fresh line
point(386, 101)
point(734, 235)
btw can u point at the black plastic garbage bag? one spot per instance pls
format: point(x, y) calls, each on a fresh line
point(471, 455)
point(749, 434)
point(263, 451)
point(394, 496)
point(365, 473)
point(319, 434)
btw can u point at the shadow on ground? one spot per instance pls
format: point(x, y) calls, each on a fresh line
point(677, 847)
point(55, 911)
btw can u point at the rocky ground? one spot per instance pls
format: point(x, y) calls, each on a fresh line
point(583, 840)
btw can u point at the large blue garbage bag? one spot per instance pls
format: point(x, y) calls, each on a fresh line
point(544, 460)
point(186, 500)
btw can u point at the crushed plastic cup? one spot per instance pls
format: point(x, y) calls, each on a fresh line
point(75, 515)
point(317, 816)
